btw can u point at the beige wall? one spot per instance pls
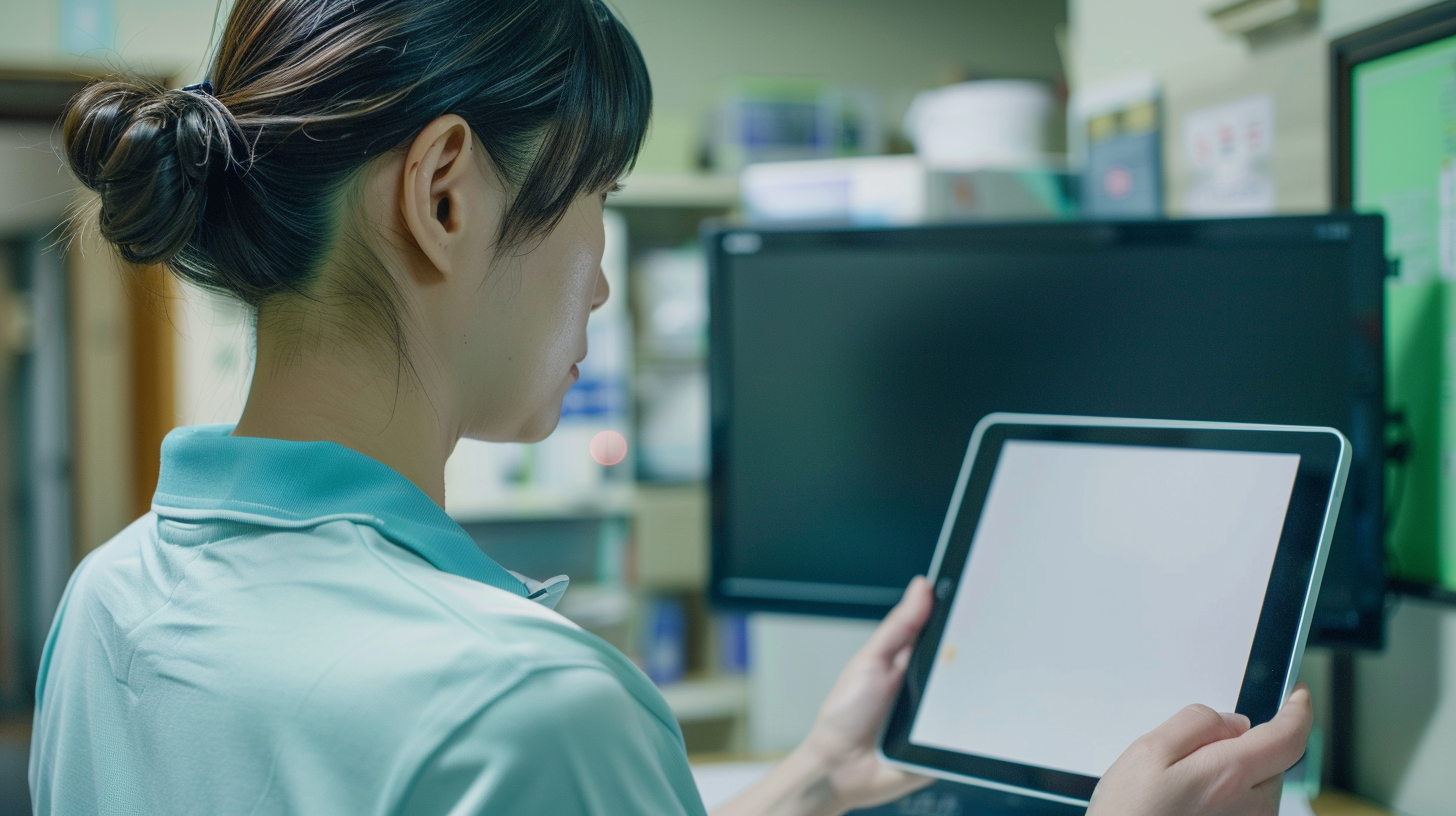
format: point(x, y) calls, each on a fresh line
point(900, 47)
point(157, 37)
point(1118, 37)
point(1406, 705)
point(691, 46)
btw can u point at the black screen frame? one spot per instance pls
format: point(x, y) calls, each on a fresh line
point(1292, 585)
point(1363, 234)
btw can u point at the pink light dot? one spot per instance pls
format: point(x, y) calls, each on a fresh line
point(1118, 182)
point(608, 448)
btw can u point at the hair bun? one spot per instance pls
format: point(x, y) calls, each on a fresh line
point(151, 155)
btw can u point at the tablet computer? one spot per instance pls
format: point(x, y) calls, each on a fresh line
point(1094, 576)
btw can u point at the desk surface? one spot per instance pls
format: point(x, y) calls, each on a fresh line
point(1339, 803)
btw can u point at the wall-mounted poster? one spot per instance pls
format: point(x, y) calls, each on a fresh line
point(1229, 148)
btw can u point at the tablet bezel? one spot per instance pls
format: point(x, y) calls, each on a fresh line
point(1284, 620)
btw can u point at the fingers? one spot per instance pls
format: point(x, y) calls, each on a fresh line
point(1272, 748)
point(904, 622)
point(1191, 729)
point(1200, 761)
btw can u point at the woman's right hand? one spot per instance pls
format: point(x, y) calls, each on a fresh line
point(1202, 763)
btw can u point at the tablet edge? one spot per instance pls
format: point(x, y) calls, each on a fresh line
point(1317, 575)
point(925, 770)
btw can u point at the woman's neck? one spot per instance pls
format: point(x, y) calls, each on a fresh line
point(378, 410)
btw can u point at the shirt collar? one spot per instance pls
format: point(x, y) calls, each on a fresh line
point(207, 473)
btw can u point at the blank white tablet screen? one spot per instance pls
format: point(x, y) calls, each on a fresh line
point(1107, 587)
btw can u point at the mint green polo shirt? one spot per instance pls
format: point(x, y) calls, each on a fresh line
point(296, 628)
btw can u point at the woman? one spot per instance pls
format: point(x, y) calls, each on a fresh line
point(408, 193)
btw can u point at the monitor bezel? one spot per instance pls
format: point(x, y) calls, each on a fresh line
point(1362, 232)
point(1284, 620)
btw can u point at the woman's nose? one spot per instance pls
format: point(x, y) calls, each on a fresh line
point(604, 290)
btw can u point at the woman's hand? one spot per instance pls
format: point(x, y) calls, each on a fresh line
point(835, 769)
point(1201, 763)
point(847, 729)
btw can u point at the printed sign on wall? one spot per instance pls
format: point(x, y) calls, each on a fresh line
point(1229, 149)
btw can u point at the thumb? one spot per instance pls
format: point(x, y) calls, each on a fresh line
point(1191, 729)
point(902, 624)
point(1272, 748)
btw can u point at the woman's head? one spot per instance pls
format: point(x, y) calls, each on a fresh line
point(287, 183)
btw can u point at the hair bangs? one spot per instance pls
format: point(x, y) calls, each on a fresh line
point(600, 122)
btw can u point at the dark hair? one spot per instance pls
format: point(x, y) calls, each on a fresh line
point(233, 186)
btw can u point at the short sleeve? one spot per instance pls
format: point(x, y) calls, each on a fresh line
point(565, 741)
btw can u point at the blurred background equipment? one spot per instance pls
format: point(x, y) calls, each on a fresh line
point(775, 119)
point(985, 123)
point(671, 295)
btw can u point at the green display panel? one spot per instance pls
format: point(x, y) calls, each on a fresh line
point(1404, 166)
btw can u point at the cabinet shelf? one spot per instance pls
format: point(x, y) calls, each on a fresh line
point(610, 502)
point(707, 698)
point(677, 190)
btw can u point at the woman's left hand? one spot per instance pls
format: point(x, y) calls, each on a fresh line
point(845, 733)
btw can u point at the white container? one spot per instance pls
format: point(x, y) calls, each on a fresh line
point(987, 123)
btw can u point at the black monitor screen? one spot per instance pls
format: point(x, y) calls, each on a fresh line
point(850, 367)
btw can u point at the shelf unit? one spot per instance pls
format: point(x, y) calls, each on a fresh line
point(712, 712)
point(613, 501)
point(677, 190)
point(707, 698)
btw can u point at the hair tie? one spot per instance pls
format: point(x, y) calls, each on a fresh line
point(205, 86)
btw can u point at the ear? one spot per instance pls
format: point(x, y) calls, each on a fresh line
point(432, 191)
